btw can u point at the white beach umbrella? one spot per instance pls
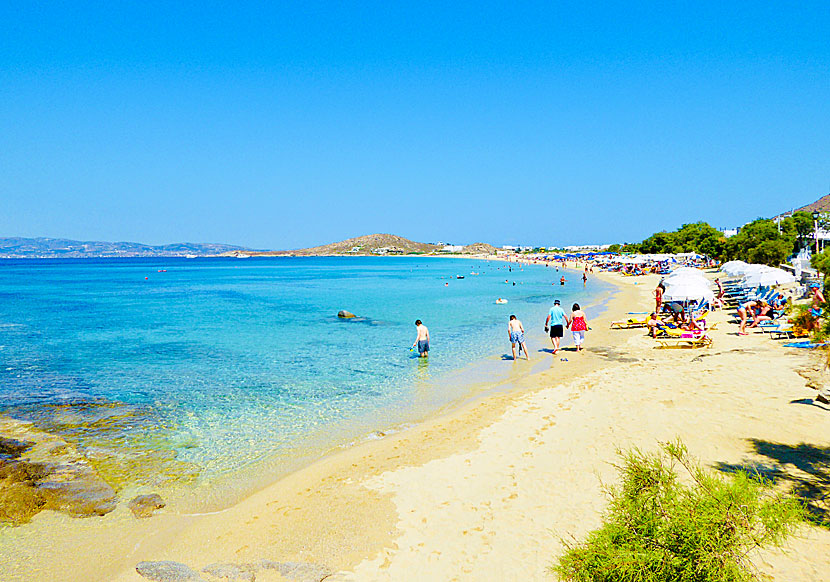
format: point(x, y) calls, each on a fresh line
point(688, 290)
point(686, 275)
point(767, 277)
point(733, 267)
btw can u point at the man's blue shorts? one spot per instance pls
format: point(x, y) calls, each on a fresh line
point(423, 346)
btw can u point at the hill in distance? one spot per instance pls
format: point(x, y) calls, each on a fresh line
point(820, 205)
point(376, 244)
point(54, 248)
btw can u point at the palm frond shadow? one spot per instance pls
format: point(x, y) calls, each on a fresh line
point(803, 469)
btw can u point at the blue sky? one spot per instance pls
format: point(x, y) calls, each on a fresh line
point(277, 125)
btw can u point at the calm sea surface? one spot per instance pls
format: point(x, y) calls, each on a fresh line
point(169, 369)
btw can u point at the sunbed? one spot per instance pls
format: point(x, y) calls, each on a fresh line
point(703, 341)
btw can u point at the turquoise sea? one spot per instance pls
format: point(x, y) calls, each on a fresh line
point(165, 371)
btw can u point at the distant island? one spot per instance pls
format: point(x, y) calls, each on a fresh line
point(380, 244)
point(55, 248)
point(368, 245)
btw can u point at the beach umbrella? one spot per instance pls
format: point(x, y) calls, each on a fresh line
point(686, 275)
point(768, 277)
point(688, 290)
point(733, 268)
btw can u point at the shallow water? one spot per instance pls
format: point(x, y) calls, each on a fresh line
point(184, 370)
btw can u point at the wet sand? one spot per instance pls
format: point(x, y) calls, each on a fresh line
point(488, 490)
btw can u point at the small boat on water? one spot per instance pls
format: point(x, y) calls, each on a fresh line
point(190, 256)
point(459, 276)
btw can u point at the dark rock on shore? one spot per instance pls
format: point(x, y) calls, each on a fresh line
point(143, 506)
point(167, 571)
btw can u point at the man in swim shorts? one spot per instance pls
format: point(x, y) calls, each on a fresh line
point(516, 333)
point(555, 323)
point(422, 339)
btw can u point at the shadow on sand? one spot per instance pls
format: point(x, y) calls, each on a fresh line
point(804, 470)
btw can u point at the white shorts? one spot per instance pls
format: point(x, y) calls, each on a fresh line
point(579, 337)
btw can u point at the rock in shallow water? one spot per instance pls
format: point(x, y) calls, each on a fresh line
point(167, 571)
point(231, 572)
point(143, 506)
point(300, 571)
point(41, 471)
point(343, 314)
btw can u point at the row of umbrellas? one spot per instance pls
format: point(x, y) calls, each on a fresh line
point(690, 284)
point(757, 275)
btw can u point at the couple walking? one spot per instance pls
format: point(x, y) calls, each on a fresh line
point(558, 320)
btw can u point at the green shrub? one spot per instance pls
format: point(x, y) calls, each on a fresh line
point(658, 529)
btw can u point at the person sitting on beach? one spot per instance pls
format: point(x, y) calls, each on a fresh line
point(578, 325)
point(516, 333)
point(762, 313)
point(555, 323)
point(653, 324)
point(422, 339)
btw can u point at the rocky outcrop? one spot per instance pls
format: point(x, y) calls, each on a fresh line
point(143, 506)
point(41, 471)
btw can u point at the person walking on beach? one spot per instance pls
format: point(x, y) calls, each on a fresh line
point(516, 333)
point(816, 304)
point(555, 323)
point(422, 339)
point(579, 325)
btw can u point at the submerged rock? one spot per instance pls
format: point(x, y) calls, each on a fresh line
point(41, 471)
point(343, 314)
point(231, 572)
point(300, 571)
point(144, 505)
point(167, 571)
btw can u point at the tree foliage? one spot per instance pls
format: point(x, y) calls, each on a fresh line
point(762, 241)
point(657, 529)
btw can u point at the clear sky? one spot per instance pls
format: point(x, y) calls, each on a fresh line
point(283, 125)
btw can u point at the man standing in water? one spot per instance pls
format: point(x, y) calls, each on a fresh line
point(422, 339)
point(516, 333)
point(556, 322)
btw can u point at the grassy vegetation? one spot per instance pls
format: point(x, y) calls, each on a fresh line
point(658, 529)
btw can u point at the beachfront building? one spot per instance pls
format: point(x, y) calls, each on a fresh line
point(452, 248)
point(589, 248)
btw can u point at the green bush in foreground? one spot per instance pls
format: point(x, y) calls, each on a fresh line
point(657, 529)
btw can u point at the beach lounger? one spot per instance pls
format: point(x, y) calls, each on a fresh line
point(629, 324)
point(703, 341)
point(784, 333)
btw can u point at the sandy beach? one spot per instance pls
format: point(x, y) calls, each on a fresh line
point(488, 490)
